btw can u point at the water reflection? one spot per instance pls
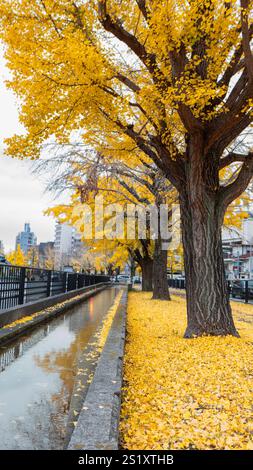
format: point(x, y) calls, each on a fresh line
point(38, 374)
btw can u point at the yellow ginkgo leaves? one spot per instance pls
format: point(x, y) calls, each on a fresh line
point(185, 394)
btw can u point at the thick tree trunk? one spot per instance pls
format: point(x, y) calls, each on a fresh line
point(208, 307)
point(147, 274)
point(160, 281)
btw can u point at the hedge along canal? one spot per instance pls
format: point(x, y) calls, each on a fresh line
point(39, 376)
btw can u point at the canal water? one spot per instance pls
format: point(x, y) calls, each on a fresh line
point(37, 376)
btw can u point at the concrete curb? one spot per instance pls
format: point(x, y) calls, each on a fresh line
point(7, 334)
point(98, 423)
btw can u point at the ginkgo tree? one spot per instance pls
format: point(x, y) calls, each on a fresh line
point(87, 175)
point(171, 81)
point(17, 257)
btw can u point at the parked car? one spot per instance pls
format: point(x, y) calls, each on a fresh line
point(238, 289)
point(250, 289)
point(68, 269)
point(124, 278)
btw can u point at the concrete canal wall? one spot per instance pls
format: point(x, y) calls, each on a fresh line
point(97, 427)
point(43, 310)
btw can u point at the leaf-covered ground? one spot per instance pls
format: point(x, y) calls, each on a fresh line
point(185, 394)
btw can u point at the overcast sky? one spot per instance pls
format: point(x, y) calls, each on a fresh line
point(22, 197)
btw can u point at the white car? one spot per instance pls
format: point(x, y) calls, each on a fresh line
point(124, 278)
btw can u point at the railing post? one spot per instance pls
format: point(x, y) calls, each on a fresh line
point(65, 282)
point(49, 283)
point(80, 280)
point(246, 292)
point(229, 288)
point(21, 294)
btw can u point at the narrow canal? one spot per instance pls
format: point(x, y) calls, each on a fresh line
point(37, 375)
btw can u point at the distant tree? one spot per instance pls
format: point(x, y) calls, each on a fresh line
point(17, 257)
point(47, 259)
point(33, 257)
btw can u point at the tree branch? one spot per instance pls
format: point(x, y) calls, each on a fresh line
point(143, 8)
point(115, 27)
point(51, 19)
point(228, 193)
point(132, 191)
point(246, 38)
point(231, 158)
point(161, 158)
point(235, 63)
point(231, 68)
point(226, 126)
point(128, 82)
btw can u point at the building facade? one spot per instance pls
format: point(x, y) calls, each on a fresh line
point(46, 255)
point(62, 244)
point(238, 251)
point(26, 239)
point(67, 245)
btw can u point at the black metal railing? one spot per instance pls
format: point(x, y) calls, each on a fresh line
point(177, 283)
point(238, 289)
point(21, 285)
point(241, 289)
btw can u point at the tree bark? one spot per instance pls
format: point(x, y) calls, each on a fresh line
point(208, 307)
point(132, 268)
point(160, 281)
point(147, 274)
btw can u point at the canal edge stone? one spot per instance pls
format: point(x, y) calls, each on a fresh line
point(97, 427)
